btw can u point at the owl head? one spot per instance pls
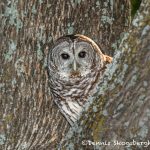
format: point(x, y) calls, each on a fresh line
point(74, 56)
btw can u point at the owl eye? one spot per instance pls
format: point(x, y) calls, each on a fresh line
point(82, 54)
point(65, 56)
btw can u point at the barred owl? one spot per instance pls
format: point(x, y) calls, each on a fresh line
point(75, 64)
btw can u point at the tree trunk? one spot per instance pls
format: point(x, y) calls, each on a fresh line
point(118, 114)
point(28, 118)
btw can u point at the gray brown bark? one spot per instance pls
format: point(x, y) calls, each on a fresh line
point(120, 109)
point(28, 118)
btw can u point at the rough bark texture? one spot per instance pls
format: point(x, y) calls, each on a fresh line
point(120, 109)
point(28, 118)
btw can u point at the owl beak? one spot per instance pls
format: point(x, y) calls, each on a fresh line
point(74, 72)
point(74, 66)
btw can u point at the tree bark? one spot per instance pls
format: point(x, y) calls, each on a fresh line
point(29, 120)
point(118, 113)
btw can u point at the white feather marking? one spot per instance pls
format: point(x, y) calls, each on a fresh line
point(70, 92)
point(65, 109)
point(75, 107)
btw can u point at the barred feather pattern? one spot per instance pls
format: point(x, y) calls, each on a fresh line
point(71, 96)
point(70, 93)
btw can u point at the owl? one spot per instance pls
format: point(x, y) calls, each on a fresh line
point(75, 64)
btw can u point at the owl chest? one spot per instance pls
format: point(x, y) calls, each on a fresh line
point(72, 91)
point(77, 91)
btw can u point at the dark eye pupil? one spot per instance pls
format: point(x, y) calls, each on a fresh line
point(65, 56)
point(82, 54)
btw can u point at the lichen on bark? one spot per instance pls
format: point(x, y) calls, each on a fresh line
point(29, 119)
point(123, 100)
